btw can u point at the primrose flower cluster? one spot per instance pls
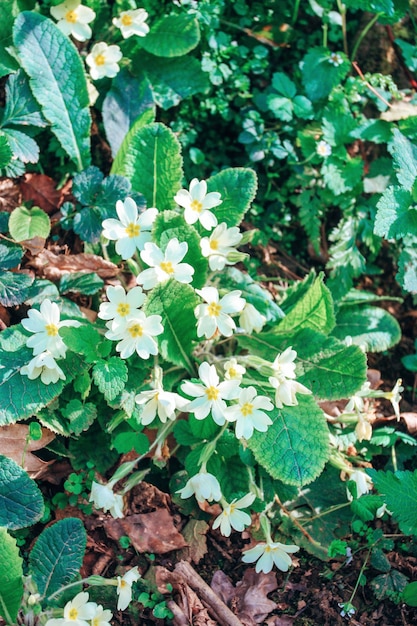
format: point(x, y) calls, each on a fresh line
point(74, 19)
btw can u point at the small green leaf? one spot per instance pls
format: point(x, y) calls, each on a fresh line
point(110, 377)
point(24, 148)
point(320, 75)
point(128, 441)
point(409, 594)
point(21, 502)
point(21, 107)
point(86, 340)
point(10, 254)
point(237, 187)
point(79, 415)
point(28, 223)
point(11, 578)
point(6, 153)
point(57, 555)
point(172, 36)
point(369, 326)
point(396, 216)
point(173, 80)
point(404, 155)
point(388, 585)
point(80, 282)
point(14, 288)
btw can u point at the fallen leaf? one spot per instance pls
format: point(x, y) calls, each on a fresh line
point(41, 190)
point(52, 266)
point(10, 194)
point(410, 420)
point(149, 532)
point(195, 535)
point(34, 245)
point(15, 445)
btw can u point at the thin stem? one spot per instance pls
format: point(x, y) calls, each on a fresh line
point(360, 575)
point(332, 509)
point(296, 522)
point(394, 458)
point(76, 583)
point(295, 12)
point(342, 11)
point(325, 31)
point(364, 33)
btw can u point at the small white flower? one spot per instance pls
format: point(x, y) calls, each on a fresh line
point(197, 204)
point(356, 403)
point(103, 60)
point(77, 612)
point(323, 149)
point(136, 333)
point(216, 247)
point(45, 366)
point(394, 397)
point(347, 609)
point(159, 402)
point(233, 517)
point(102, 617)
point(124, 588)
point(132, 230)
point(214, 315)
point(121, 304)
point(45, 325)
point(335, 59)
point(210, 394)
point(363, 483)
point(251, 320)
point(103, 497)
point(73, 19)
point(165, 265)
point(282, 380)
point(132, 23)
point(203, 486)
point(233, 370)
point(247, 413)
point(270, 554)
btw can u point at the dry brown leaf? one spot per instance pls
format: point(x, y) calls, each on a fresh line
point(34, 245)
point(10, 194)
point(285, 620)
point(194, 534)
point(52, 266)
point(41, 190)
point(193, 608)
point(14, 444)
point(149, 532)
point(410, 420)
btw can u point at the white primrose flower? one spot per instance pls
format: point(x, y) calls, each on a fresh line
point(165, 265)
point(394, 397)
point(45, 366)
point(210, 394)
point(203, 486)
point(159, 402)
point(251, 320)
point(102, 617)
point(233, 370)
point(247, 414)
point(124, 588)
point(132, 23)
point(103, 60)
point(282, 380)
point(132, 230)
point(270, 554)
point(45, 325)
point(214, 315)
point(77, 612)
point(216, 247)
point(197, 203)
point(136, 333)
point(233, 517)
point(323, 149)
point(103, 497)
point(363, 483)
point(121, 304)
point(73, 19)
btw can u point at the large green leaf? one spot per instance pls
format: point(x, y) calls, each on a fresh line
point(320, 74)
point(11, 578)
point(369, 326)
point(172, 80)
point(14, 288)
point(175, 302)
point(399, 491)
point(296, 447)
point(21, 107)
point(57, 80)
point(57, 556)
point(396, 216)
point(150, 157)
point(172, 36)
point(404, 155)
point(237, 187)
point(21, 502)
point(8, 64)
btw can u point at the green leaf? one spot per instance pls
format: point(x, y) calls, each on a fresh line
point(14, 288)
point(296, 447)
point(21, 502)
point(11, 578)
point(57, 80)
point(399, 492)
point(409, 53)
point(179, 322)
point(80, 282)
point(172, 36)
point(237, 187)
point(409, 594)
point(407, 265)
point(28, 223)
point(150, 157)
point(369, 326)
point(388, 585)
point(21, 107)
point(23, 147)
point(396, 216)
point(86, 340)
point(10, 254)
point(342, 175)
point(173, 80)
point(6, 153)
point(128, 441)
point(280, 107)
point(319, 73)
point(110, 377)
point(80, 415)
point(303, 107)
point(404, 155)
point(57, 555)
point(183, 434)
point(283, 85)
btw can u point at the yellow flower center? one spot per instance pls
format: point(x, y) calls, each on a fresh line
point(126, 20)
point(73, 614)
point(123, 584)
point(214, 244)
point(51, 330)
point(123, 309)
point(100, 59)
point(132, 230)
point(196, 205)
point(232, 372)
point(247, 409)
point(268, 548)
point(212, 393)
point(166, 266)
point(214, 309)
point(71, 17)
point(95, 621)
point(135, 330)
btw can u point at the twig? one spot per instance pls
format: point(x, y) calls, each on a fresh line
point(297, 523)
point(368, 84)
point(179, 616)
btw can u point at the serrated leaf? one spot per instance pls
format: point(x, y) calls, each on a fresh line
point(342, 175)
point(110, 377)
point(172, 36)
point(150, 157)
point(369, 326)
point(10, 254)
point(57, 555)
point(28, 223)
point(6, 153)
point(21, 107)
point(57, 80)
point(179, 322)
point(183, 434)
point(88, 224)
point(86, 340)
point(320, 75)
point(14, 288)
point(295, 447)
point(23, 147)
point(8, 63)
point(237, 187)
point(399, 492)
point(11, 578)
point(404, 155)
point(80, 282)
point(173, 80)
point(388, 585)
point(79, 415)
point(284, 85)
point(21, 502)
point(407, 265)
point(396, 216)
point(128, 441)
